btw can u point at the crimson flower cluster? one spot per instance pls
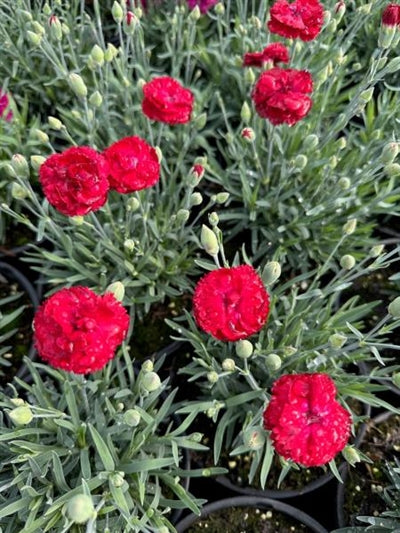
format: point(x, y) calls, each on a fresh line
point(307, 423)
point(78, 331)
point(4, 103)
point(231, 303)
point(77, 181)
point(275, 52)
point(301, 19)
point(204, 5)
point(165, 100)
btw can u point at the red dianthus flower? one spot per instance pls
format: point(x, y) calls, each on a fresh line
point(4, 103)
point(301, 18)
point(75, 181)
point(165, 100)
point(133, 165)
point(78, 330)
point(204, 5)
point(280, 95)
point(231, 303)
point(307, 424)
point(275, 52)
point(391, 15)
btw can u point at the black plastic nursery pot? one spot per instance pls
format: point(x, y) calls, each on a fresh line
point(250, 514)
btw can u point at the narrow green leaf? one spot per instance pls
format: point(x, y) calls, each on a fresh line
point(102, 449)
point(266, 465)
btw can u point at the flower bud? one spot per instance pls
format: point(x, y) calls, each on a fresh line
point(150, 381)
point(394, 307)
point(131, 417)
point(55, 28)
point(351, 455)
point(209, 240)
point(212, 377)
point(340, 8)
point(195, 437)
point(77, 220)
point(300, 161)
point(271, 272)
point(117, 479)
point(333, 161)
point(96, 99)
point(221, 197)
point(344, 183)
point(396, 379)
point(20, 165)
point(389, 153)
point(117, 289)
point(80, 508)
point(213, 219)
point(110, 53)
point(196, 199)
point(130, 23)
point(17, 401)
point(41, 136)
point(18, 192)
point(350, 226)
point(55, 123)
point(249, 76)
point(288, 351)
point(245, 113)
point(347, 262)
point(78, 85)
point(36, 161)
point(341, 143)
point(21, 416)
point(196, 172)
point(129, 245)
point(97, 56)
point(132, 204)
point(35, 38)
point(159, 153)
point(200, 121)
point(337, 340)
point(366, 95)
point(117, 12)
point(311, 142)
point(228, 365)
point(254, 438)
point(377, 250)
point(183, 215)
point(248, 134)
point(393, 66)
point(220, 9)
point(147, 366)
point(392, 170)
point(195, 14)
point(244, 349)
point(273, 362)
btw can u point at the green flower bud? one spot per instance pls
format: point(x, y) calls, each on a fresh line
point(41, 136)
point(244, 349)
point(351, 455)
point(196, 199)
point(254, 438)
point(333, 161)
point(27, 15)
point(195, 14)
point(273, 362)
point(289, 351)
point(300, 161)
point(117, 289)
point(310, 142)
point(245, 113)
point(20, 165)
point(209, 240)
point(344, 183)
point(221, 197)
point(110, 53)
point(130, 23)
point(55, 123)
point(96, 99)
point(337, 340)
point(34, 38)
point(147, 366)
point(17, 401)
point(182, 216)
point(212, 377)
point(80, 509)
point(77, 85)
point(394, 307)
point(228, 365)
point(256, 22)
point(219, 9)
point(393, 66)
point(386, 35)
point(77, 220)
point(377, 250)
point(392, 170)
point(271, 272)
point(21, 416)
point(151, 381)
point(396, 379)
point(132, 417)
point(366, 95)
point(132, 204)
point(350, 226)
point(341, 143)
point(389, 153)
point(347, 262)
point(117, 12)
point(213, 219)
point(36, 161)
point(211, 412)
point(46, 9)
point(249, 76)
point(18, 192)
point(55, 28)
point(248, 134)
point(117, 479)
point(129, 245)
point(97, 56)
point(201, 120)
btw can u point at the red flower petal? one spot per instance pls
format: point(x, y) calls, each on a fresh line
point(300, 19)
point(165, 100)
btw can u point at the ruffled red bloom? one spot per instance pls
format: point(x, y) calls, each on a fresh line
point(204, 5)
point(4, 103)
point(301, 18)
point(231, 303)
point(165, 100)
point(133, 165)
point(75, 181)
point(391, 15)
point(78, 330)
point(275, 52)
point(307, 424)
point(280, 95)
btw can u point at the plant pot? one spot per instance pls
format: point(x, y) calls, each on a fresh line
point(249, 503)
point(359, 494)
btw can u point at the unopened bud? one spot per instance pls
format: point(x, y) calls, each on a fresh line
point(244, 349)
point(150, 381)
point(311, 142)
point(351, 455)
point(117, 12)
point(80, 509)
point(147, 366)
point(350, 226)
point(245, 113)
point(182, 215)
point(337, 340)
point(130, 23)
point(300, 161)
point(254, 438)
point(200, 121)
point(110, 53)
point(228, 365)
point(344, 183)
point(273, 362)
point(248, 134)
point(195, 14)
point(21, 416)
point(129, 245)
point(389, 153)
point(35, 38)
point(212, 377)
point(46, 9)
point(386, 35)
point(117, 479)
point(117, 289)
point(78, 85)
point(209, 240)
point(249, 76)
point(341, 143)
point(159, 153)
point(96, 57)
point(394, 307)
point(96, 99)
point(55, 28)
point(347, 262)
point(271, 272)
point(132, 204)
point(221, 197)
point(41, 136)
point(392, 170)
point(36, 161)
point(197, 172)
point(195, 437)
point(77, 220)
point(288, 351)
point(196, 199)
point(55, 123)
point(377, 250)
point(393, 65)
point(18, 192)
point(333, 161)
point(340, 9)
point(132, 417)
point(20, 165)
point(366, 95)
point(220, 9)
point(213, 219)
